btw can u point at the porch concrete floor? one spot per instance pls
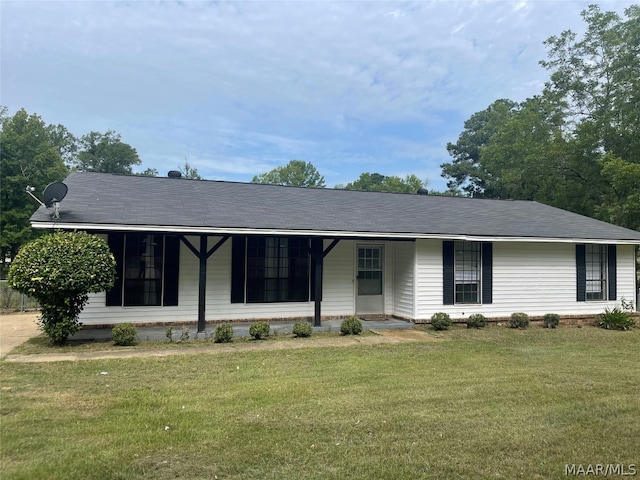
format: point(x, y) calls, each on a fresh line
point(239, 329)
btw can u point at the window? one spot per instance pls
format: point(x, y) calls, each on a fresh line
point(596, 272)
point(143, 269)
point(370, 270)
point(147, 269)
point(467, 272)
point(277, 269)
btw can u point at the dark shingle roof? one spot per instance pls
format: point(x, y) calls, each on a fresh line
point(105, 199)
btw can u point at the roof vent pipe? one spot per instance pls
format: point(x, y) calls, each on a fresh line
point(174, 174)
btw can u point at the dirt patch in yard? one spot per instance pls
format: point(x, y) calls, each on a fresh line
point(407, 335)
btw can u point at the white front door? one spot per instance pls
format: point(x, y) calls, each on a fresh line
point(370, 279)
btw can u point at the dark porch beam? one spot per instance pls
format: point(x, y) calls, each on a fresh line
point(203, 255)
point(330, 247)
point(317, 259)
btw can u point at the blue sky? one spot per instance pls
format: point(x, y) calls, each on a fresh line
point(239, 88)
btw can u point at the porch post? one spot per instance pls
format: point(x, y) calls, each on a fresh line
point(202, 284)
point(317, 257)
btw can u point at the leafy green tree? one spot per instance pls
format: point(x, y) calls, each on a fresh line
point(105, 153)
point(28, 156)
point(296, 173)
point(376, 182)
point(188, 171)
point(572, 145)
point(621, 204)
point(467, 170)
point(60, 270)
point(149, 172)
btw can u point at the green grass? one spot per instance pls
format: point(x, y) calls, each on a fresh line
point(492, 403)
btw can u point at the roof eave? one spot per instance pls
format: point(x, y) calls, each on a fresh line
point(187, 230)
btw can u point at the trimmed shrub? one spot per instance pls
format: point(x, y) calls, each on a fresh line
point(59, 271)
point(124, 334)
point(477, 320)
point(351, 326)
point(440, 321)
point(615, 319)
point(519, 320)
point(302, 329)
point(259, 330)
point(223, 333)
point(551, 320)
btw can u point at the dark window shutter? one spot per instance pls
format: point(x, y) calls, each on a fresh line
point(448, 273)
point(581, 271)
point(238, 268)
point(171, 270)
point(116, 245)
point(487, 273)
point(613, 270)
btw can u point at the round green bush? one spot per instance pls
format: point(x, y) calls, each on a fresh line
point(351, 326)
point(59, 271)
point(477, 320)
point(302, 329)
point(223, 333)
point(519, 320)
point(124, 334)
point(440, 321)
point(259, 330)
point(551, 320)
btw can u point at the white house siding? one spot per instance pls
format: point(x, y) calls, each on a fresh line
point(535, 278)
point(338, 283)
point(404, 276)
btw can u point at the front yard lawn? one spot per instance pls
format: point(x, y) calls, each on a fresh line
point(492, 403)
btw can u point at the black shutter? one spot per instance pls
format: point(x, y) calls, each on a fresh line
point(581, 271)
point(448, 273)
point(238, 268)
point(116, 245)
point(487, 273)
point(171, 270)
point(613, 270)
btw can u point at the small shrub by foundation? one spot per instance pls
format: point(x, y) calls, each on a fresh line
point(551, 320)
point(302, 329)
point(223, 333)
point(259, 330)
point(351, 326)
point(124, 334)
point(615, 319)
point(477, 320)
point(440, 321)
point(519, 320)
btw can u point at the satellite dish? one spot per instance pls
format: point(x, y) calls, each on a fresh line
point(54, 193)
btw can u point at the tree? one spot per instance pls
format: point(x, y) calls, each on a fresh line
point(188, 171)
point(296, 173)
point(467, 170)
point(149, 172)
point(106, 153)
point(376, 182)
point(59, 270)
point(572, 145)
point(29, 156)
